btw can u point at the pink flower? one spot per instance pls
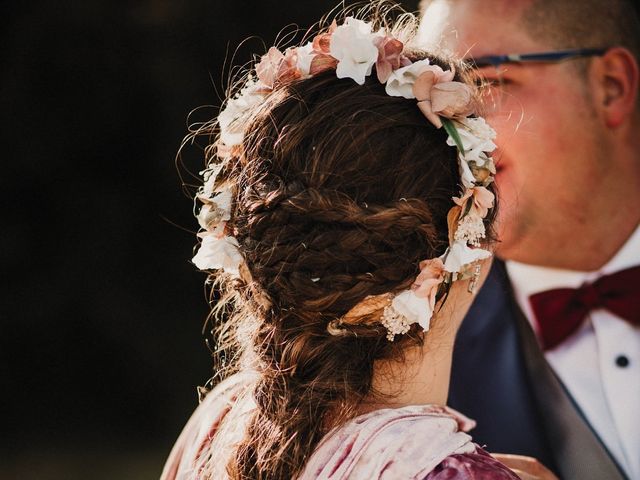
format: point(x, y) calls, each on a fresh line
point(428, 280)
point(452, 99)
point(438, 95)
point(288, 70)
point(482, 200)
point(276, 67)
point(267, 68)
point(322, 42)
point(322, 59)
point(322, 62)
point(438, 74)
point(390, 57)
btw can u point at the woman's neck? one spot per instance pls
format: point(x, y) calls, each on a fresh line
point(422, 378)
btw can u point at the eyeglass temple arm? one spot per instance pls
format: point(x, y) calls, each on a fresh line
point(496, 60)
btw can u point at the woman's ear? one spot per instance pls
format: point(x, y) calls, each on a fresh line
point(613, 78)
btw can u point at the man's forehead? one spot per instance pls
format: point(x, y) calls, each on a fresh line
point(475, 27)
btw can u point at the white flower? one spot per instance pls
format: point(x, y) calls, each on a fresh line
point(215, 211)
point(305, 56)
point(352, 44)
point(400, 83)
point(232, 118)
point(486, 162)
point(480, 127)
point(460, 254)
point(218, 253)
point(413, 308)
point(209, 176)
point(209, 216)
point(223, 199)
point(477, 137)
point(466, 175)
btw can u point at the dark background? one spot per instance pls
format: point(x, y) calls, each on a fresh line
point(101, 346)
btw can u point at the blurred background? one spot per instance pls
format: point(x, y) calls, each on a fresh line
point(101, 312)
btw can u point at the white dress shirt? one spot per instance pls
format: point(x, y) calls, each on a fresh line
point(600, 363)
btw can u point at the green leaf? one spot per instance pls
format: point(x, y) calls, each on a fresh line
point(453, 132)
point(467, 207)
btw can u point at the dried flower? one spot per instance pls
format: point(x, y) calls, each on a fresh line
point(390, 57)
point(470, 230)
point(481, 197)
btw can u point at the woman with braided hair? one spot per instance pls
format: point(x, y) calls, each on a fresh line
point(346, 216)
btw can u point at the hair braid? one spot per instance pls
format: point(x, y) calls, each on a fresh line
point(340, 191)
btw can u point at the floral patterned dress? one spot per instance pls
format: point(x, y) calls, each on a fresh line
point(417, 442)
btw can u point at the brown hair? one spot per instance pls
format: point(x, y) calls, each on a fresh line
point(340, 192)
point(585, 24)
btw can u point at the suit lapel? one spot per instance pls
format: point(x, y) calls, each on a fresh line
point(489, 379)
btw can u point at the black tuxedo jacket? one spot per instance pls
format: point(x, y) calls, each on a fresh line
point(501, 379)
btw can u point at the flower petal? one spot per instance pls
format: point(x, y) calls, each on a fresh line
point(466, 175)
point(267, 68)
point(400, 83)
point(232, 118)
point(305, 57)
point(389, 57)
point(322, 62)
point(422, 86)
point(477, 138)
point(460, 254)
point(218, 253)
point(429, 279)
point(452, 99)
point(352, 44)
point(483, 200)
point(415, 309)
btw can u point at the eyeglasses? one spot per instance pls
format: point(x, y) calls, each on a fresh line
point(493, 88)
point(542, 57)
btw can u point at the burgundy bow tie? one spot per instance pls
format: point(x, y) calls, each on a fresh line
point(560, 312)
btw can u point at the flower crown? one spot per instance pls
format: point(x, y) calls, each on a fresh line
point(352, 49)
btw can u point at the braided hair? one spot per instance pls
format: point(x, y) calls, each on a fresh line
point(340, 191)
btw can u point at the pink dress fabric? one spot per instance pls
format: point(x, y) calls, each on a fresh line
point(417, 442)
point(407, 443)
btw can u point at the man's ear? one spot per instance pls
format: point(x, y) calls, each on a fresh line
point(614, 80)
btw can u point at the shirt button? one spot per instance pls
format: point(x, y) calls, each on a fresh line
point(622, 361)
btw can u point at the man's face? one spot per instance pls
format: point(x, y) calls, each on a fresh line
point(547, 135)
